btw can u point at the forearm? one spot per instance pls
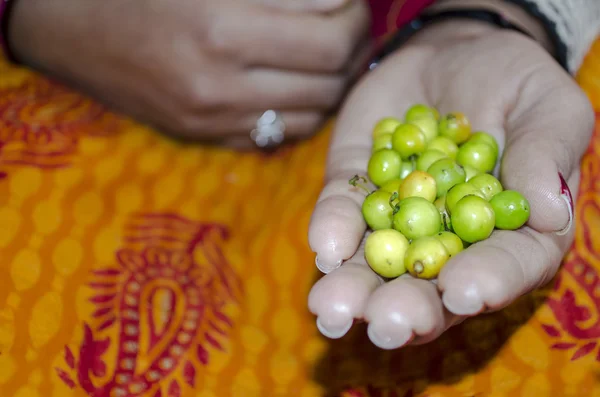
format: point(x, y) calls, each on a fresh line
point(566, 28)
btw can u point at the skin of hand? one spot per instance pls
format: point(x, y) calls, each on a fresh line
point(199, 69)
point(507, 85)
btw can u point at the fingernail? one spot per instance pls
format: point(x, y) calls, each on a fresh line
point(565, 194)
point(465, 302)
point(333, 331)
point(327, 267)
point(389, 337)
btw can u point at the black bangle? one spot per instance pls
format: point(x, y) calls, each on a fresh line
point(401, 36)
point(560, 48)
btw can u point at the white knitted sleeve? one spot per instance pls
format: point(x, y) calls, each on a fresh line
point(572, 24)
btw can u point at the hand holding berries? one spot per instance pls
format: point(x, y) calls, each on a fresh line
point(520, 139)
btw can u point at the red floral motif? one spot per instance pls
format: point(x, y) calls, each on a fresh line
point(573, 317)
point(41, 123)
point(578, 328)
point(165, 300)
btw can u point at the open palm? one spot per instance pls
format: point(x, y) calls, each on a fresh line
point(509, 87)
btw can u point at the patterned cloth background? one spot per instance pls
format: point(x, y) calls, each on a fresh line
point(131, 265)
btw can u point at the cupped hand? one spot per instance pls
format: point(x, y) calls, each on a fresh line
point(201, 69)
point(508, 86)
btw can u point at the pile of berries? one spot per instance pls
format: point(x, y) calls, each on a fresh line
point(435, 192)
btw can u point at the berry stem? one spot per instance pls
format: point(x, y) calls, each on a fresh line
point(446, 222)
point(395, 207)
point(358, 181)
point(419, 268)
point(413, 161)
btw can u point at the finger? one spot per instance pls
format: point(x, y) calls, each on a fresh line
point(337, 225)
point(227, 125)
point(272, 88)
point(546, 134)
point(341, 296)
point(261, 88)
point(545, 141)
point(494, 272)
point(306, 5)
point(406, 310)
point(361, 60)
point(299, 41)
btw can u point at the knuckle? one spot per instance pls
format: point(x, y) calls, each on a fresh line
point(218, 36)
point(338, 54)
point(354, 28)
point(202, 93)
point(587, 111)
point(310, 125)
point(579, 113)
point(364, 20)
point(337, 92)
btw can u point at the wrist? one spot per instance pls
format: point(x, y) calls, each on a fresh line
point(439, 33)
point(514, 13)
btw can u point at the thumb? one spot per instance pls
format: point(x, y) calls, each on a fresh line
point(545, 143)
point(322, 6)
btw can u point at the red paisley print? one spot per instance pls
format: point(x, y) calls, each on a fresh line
point(161, 306)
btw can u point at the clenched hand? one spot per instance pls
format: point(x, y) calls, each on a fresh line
point(201, 69)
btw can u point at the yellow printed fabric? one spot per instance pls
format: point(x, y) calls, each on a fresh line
point(131, 265)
